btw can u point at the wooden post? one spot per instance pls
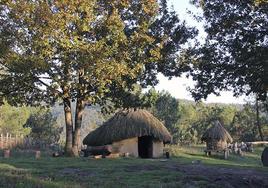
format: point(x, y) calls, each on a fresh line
point(225, 154)
point(16, 140)
point(1, 142)
point(11, 141)
point(21, 139)
point(7, 146)
point(37, 154)
point(6, 153)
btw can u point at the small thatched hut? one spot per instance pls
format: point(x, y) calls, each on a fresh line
point(216, 137)
point(136, 132)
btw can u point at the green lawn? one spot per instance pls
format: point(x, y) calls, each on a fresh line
point(179, 171)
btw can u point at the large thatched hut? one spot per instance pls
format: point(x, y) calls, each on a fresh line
point(133, 131)
point(216, 137)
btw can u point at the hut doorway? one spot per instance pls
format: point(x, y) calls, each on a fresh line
point(145, 146)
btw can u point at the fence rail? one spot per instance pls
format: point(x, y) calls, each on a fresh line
point(8, 141)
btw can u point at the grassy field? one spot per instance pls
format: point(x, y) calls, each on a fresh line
point(179, 171)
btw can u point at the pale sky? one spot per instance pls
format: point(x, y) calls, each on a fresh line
point(177, 86)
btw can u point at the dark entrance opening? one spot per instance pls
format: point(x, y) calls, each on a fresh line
point(145, 146)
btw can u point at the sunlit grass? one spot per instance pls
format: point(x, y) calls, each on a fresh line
point(25, 171)
point(190, 153)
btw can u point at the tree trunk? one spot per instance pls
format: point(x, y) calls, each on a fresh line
point(78, 122)
point(69, 127)
point(258, 119)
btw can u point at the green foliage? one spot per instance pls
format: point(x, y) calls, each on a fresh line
point(234, 56)
point(166, 109)
point(187, 121)
point(12, 120)
point(44, 127)
point(85, 51)
point(163, 106)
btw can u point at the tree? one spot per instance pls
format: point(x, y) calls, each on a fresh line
point(234, 55)
point(44, 127)
point(165, 107)
point(243, 126)
point(12, 120)
point(85, 52)
point(184, 127)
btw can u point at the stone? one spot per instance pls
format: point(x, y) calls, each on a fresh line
point(264, 157)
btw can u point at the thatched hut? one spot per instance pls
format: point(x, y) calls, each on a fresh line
point(136, 132)
point(216, 137)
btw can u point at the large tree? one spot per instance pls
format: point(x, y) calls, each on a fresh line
point(234, 56)
point(84, 51)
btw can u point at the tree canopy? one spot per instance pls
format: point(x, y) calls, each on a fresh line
point(85, 51)
point(234, 56)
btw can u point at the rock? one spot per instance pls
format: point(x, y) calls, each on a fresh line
point(196, 162)
point(264, 157)
point(57, 154)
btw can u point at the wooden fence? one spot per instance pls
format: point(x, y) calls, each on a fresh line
point(8, 141)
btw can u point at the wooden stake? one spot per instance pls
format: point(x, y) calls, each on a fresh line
point(6, 153)
point(37, 154)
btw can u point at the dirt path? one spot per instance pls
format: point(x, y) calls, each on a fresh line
point(224, 177)
point(213, 176)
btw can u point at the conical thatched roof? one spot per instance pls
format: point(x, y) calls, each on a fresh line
point(217, 132)
point(128, 124)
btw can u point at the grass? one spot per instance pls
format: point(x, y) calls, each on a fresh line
point(248, 160)
point(25, 171)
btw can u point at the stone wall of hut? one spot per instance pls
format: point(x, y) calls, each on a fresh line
point(127, 146)
point(131, 146)
point(158, 147)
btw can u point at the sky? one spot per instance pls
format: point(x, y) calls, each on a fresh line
point(177, 87)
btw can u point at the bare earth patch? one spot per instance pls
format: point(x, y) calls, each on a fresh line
point(212, 175)
point(226, 177)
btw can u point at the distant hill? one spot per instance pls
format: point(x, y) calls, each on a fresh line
point(92, 118)
point(186, 101)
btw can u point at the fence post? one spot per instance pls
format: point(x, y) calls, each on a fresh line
point(22, 141)
point(1, 141)
point(16, 143)
point(7, 140)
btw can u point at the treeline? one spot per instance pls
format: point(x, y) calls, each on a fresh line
point(34, 122)
point(186, 120)
point(43, 125)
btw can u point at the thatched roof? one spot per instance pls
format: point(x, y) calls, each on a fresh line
point(128, 124)
point(217, 132)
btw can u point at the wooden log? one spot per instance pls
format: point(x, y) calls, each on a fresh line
point(98, 150)
point(258, 143)
point(113, 156)
point(6, 153)
point(264, 157)
point(98, 156)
